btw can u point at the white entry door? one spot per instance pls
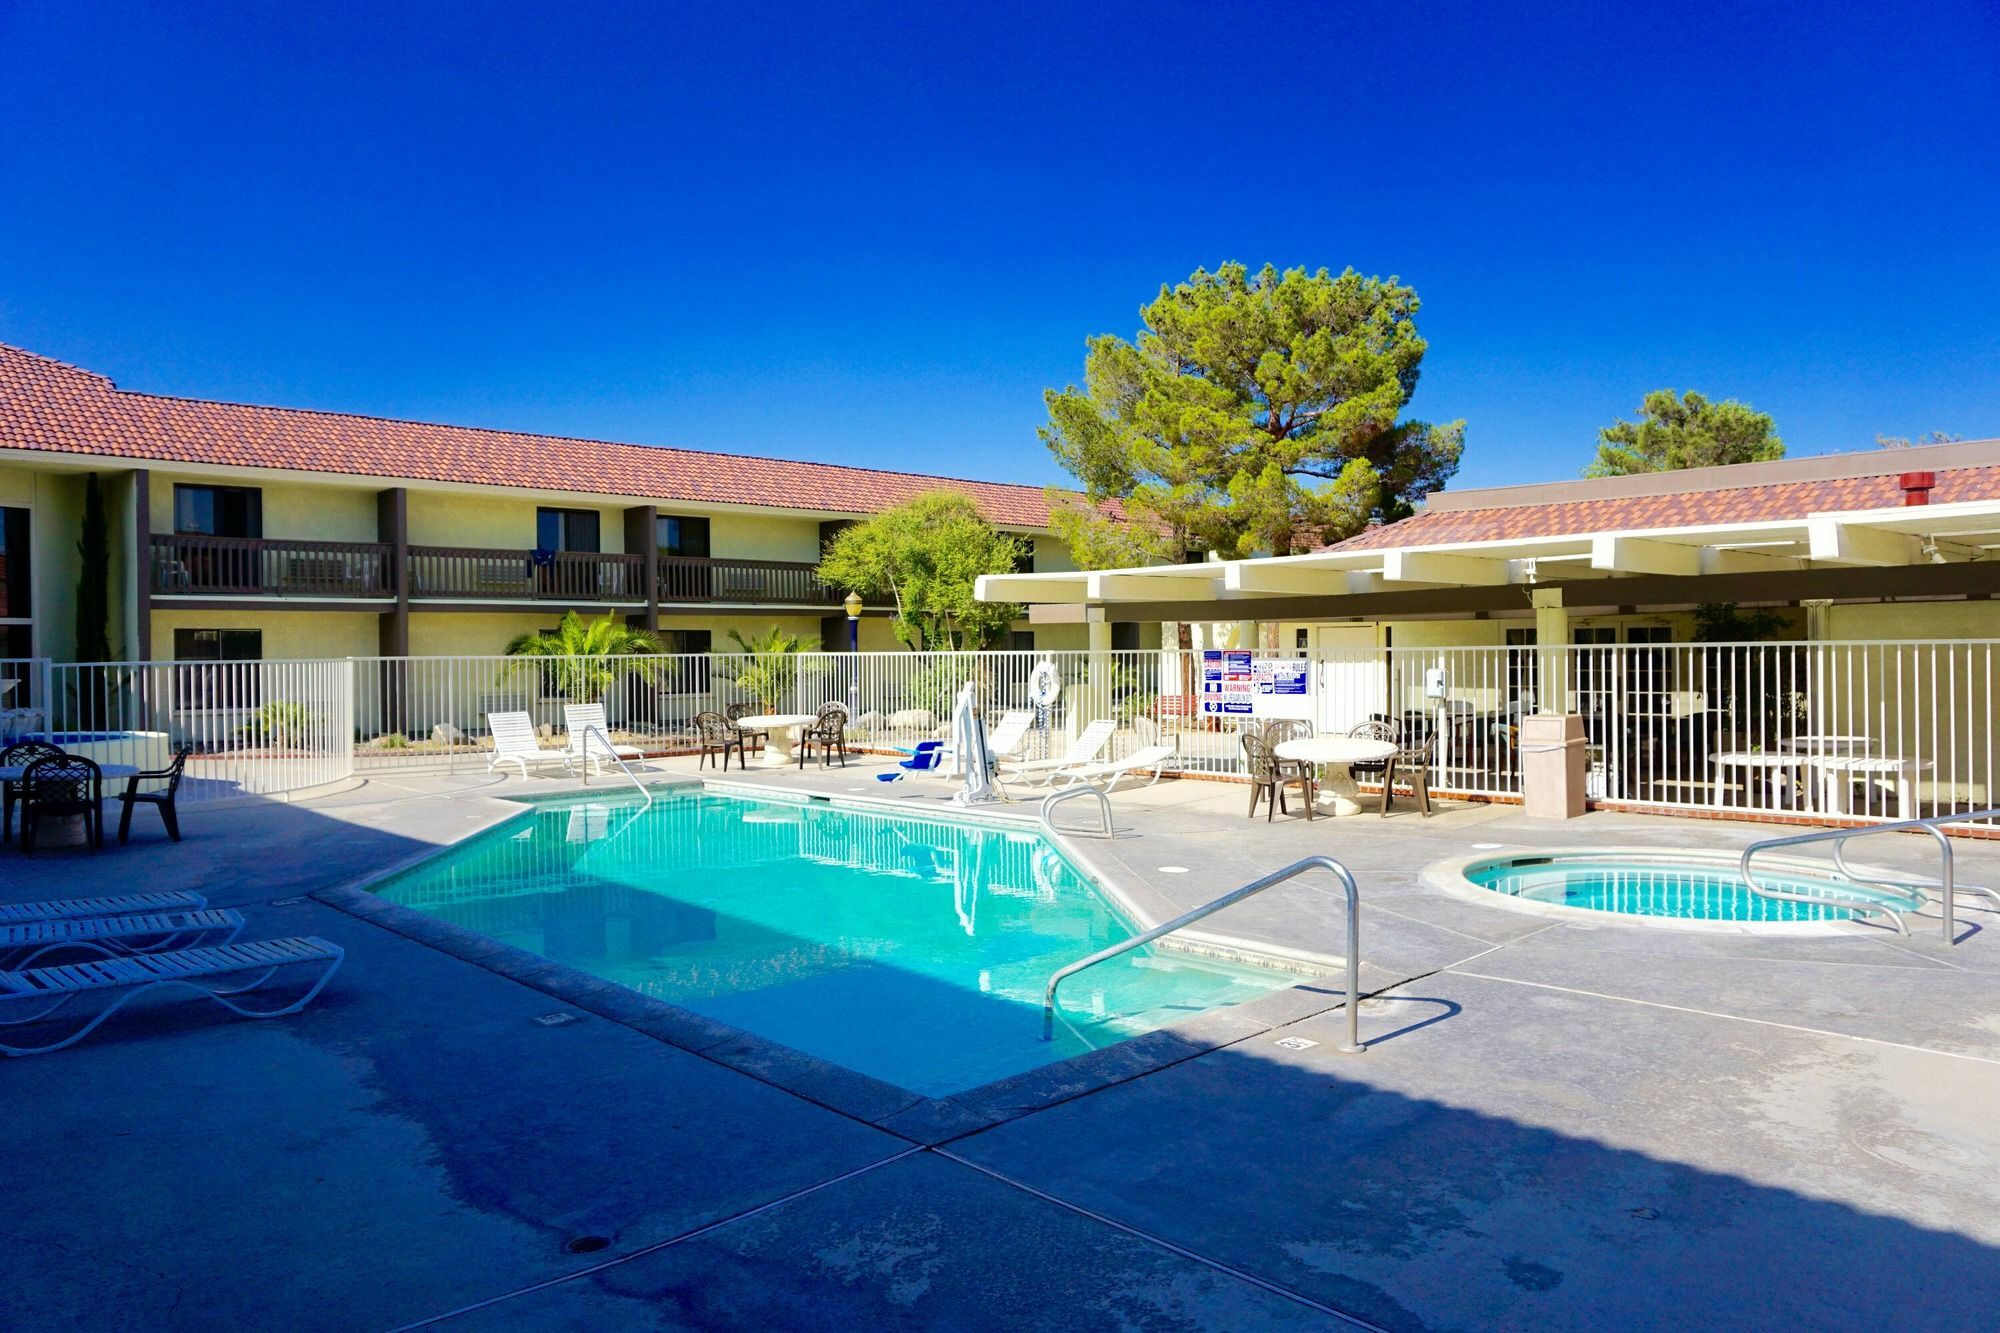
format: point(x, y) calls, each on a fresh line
point(1351, 675)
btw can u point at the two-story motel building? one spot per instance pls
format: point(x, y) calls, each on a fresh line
point(244, 532)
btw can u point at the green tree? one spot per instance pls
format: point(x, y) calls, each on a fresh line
point(926, 554)
point(1253, 413)
point(1685, 431)
point(771, 665)
point(580, 660)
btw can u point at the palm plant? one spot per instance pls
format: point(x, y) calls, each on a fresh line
point(771, 665)
point(581, 660)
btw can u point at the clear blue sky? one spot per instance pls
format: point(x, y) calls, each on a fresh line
point(869, 236)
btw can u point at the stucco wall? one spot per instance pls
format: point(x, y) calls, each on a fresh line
point(759, 537)
point(304, 511)
point(1916, 620)
point(287, 634)
point(450, 518)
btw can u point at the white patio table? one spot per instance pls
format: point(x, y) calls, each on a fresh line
point(781, 731)
point(69, 831)
point(1335, 754)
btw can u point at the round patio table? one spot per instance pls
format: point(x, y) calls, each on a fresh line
point(782, 732)
point(1335, 754)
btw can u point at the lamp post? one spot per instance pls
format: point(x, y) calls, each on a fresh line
point(853, 605)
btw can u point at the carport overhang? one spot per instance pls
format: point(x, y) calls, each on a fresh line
point(1946, 550)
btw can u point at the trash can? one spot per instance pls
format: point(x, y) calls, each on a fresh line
point(1554, 755)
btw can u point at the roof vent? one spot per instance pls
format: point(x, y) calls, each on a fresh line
point(1916, 487)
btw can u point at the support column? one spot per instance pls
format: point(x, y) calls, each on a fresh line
point(642, 537)
point(1551, 638)
point(1816, 618)
point(1096, 700)
point(142, 566)
point(392, 686)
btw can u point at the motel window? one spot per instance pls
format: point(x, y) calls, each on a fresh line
point(218, 685)
point(1020, 641)
point(16, 570)
point(1024, 560)
point(1125, 636)
point(681, 534)
point(219, 511)
point(218, 645)
point(566, 529)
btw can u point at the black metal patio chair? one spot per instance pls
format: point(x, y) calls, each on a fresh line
point(57, 786)
point(18, 755)
point(717, 736)
point(827, 734)
point(162, 799)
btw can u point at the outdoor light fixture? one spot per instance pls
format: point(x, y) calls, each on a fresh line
point(853, 605)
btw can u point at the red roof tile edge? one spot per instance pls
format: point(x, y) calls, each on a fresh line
point(49, 406)
point(1680, 509)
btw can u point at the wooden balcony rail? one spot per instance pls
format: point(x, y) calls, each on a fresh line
point(188, 565)
point(686, 578)
point(513, 575)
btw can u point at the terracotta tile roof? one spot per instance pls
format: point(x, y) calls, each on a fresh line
point(1745, 504)
point(48, 406)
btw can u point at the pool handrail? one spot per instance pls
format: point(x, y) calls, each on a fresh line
point(616, 758)
point(1946, 882)
point(1054, 799)
point(1354, 1045)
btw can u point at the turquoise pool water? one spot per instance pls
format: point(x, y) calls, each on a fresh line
point(913, 950)
point(1692, 890)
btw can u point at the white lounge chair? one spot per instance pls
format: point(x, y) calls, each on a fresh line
point(581, 719)
point(124, 904)
point(112, 936)
point(1146, 756)
point(222, 974)
point(1008, 733)
point(515, 742)
point(1090, 743)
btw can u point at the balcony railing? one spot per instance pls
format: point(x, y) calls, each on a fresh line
point(514, 575)
point(186, 565)
point(271, 567)
point(686, 578)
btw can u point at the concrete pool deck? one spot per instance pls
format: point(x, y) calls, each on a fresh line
point(1558, 1125)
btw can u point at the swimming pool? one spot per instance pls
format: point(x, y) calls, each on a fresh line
point(1684, 886)
point(913, 950)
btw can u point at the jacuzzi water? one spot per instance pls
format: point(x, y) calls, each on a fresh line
point(910, 949)
point(1690, 889)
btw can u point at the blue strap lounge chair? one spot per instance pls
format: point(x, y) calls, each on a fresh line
point(24, 945)
point(927, 756)
point(225, 974)
point(124, 904)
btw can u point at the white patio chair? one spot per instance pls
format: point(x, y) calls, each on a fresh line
point(124, 904)
point(112, 936)
point(1146, 756)
point(515, 742)
point(1089, 743)
point(222, 974)
point(581, 719)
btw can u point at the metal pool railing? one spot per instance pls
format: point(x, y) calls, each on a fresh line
point(1946, 883)
point(1340, 872)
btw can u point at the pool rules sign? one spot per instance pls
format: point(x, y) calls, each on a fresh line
point(1237, 684)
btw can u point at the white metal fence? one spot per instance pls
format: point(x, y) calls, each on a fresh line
point(253, 728)
point(1865, 730)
